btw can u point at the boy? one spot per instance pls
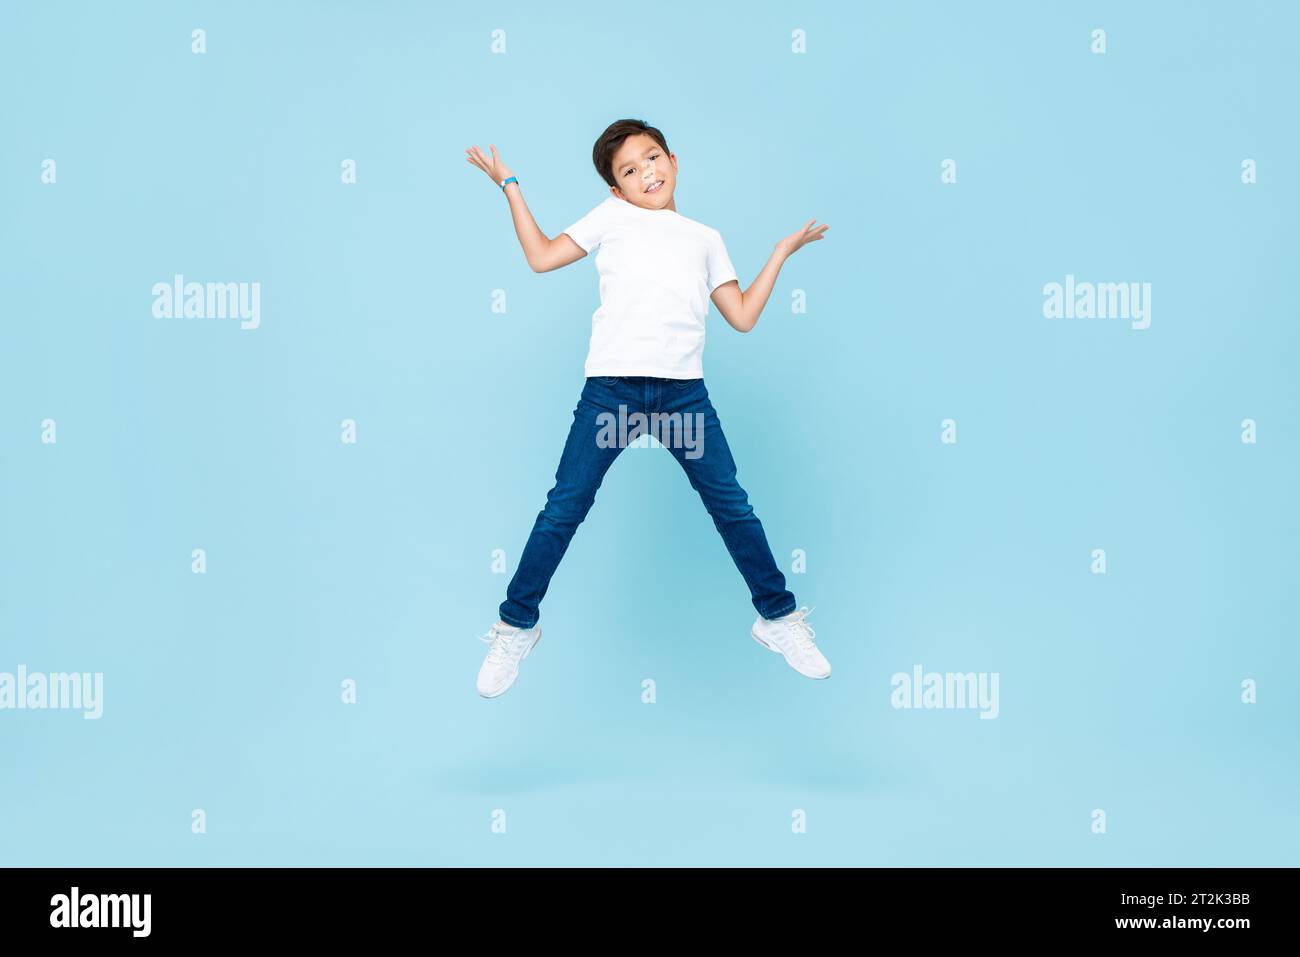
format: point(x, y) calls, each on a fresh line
point(658, 271)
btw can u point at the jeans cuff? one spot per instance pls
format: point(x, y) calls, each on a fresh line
point(514, 623)
point(781, 614)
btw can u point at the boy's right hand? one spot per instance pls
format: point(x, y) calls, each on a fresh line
point(493, 167)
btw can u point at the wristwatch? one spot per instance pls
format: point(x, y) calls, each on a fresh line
point(507, 181)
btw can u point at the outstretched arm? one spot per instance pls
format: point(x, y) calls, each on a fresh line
point(542, 254)
point(742, 309)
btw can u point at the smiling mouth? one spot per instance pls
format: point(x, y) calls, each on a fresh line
point(656, 186)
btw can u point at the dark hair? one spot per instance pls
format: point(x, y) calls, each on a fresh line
point(602, 154)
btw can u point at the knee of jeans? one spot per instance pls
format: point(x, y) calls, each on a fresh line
point(565, 511)
point(731, 508)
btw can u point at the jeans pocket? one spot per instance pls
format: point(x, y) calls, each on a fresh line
point(607, 379)
point(684, 383)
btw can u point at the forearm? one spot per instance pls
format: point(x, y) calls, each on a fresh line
point(531, 238)
point(754, 299)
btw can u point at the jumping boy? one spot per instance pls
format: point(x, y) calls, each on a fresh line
point(658, 271)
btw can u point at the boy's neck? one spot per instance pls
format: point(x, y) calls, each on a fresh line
point(672, 204)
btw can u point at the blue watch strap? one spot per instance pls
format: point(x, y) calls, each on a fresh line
point(507, 182)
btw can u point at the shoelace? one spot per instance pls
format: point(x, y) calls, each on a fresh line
point(802, 631)
point(499, 652)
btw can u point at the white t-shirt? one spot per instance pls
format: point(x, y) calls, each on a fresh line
point(657, 269)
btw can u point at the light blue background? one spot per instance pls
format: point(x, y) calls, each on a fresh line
point(373, 561)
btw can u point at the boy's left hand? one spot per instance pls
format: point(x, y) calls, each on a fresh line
point(796, 240)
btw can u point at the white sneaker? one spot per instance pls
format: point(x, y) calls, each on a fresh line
point(509, 646)
point(792, 636)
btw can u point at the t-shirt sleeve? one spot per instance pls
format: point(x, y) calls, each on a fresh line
point(590, 229)
point(719, 263)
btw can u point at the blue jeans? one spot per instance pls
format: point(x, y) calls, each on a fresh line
point(694, 436)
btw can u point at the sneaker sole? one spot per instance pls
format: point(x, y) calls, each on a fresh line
point(753, 634)
point(506, 687)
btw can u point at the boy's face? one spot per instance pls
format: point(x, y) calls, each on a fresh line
point(645, 172)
